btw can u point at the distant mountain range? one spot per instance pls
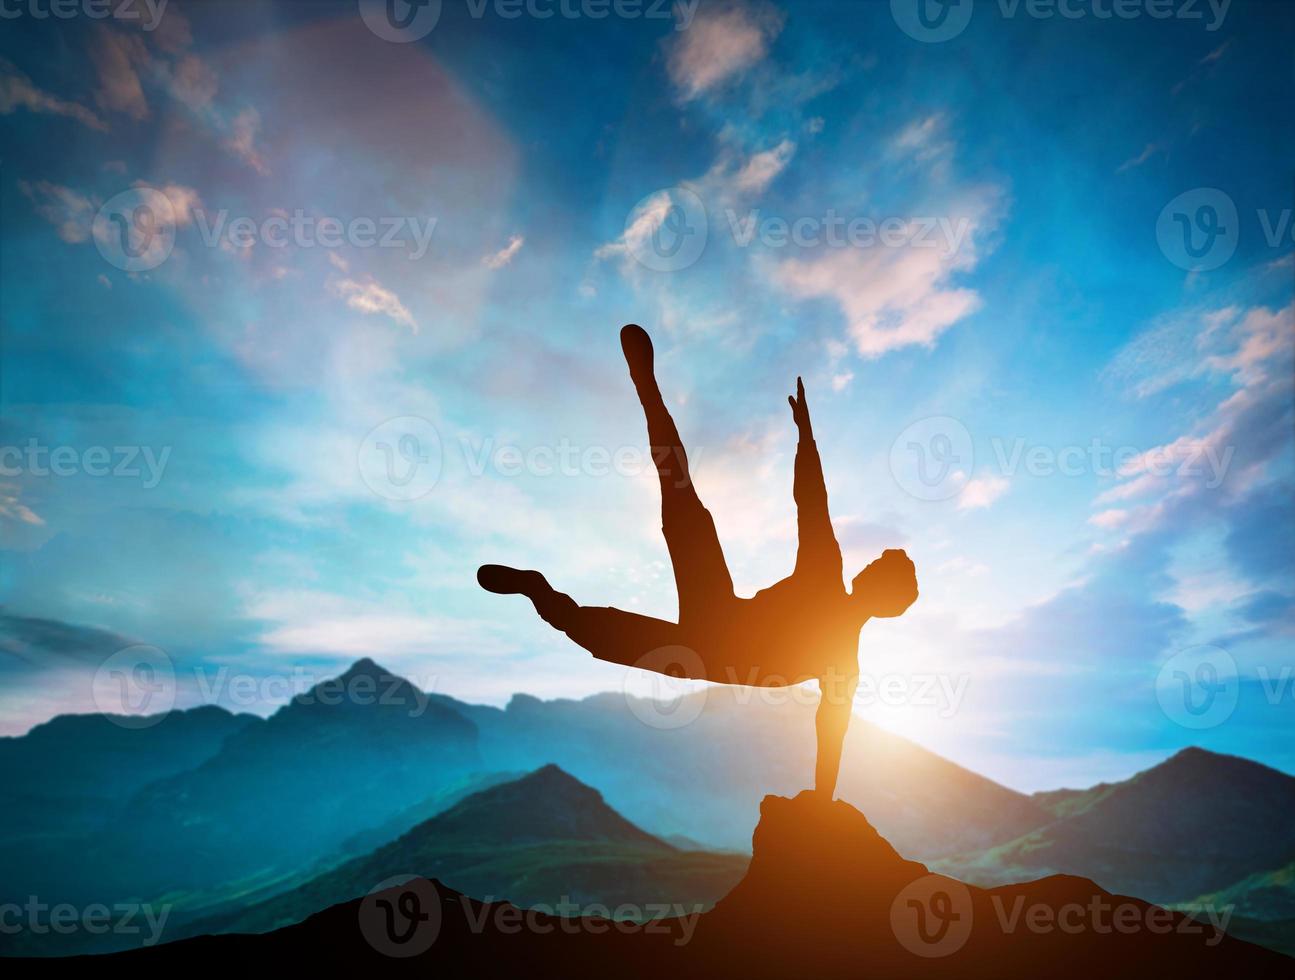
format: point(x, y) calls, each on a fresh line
point(239, 822)
point(67, 782)
point(705, 780)
point(544, 839)
point(1195, 824)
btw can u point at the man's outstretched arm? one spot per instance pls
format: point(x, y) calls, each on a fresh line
point(818, 546)
point(835, 704)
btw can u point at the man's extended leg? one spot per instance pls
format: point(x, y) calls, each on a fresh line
point(701, 573)
point(835, 705)
point(610, 634)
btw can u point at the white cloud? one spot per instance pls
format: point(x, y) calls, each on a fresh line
point(982, 491)
point(1228, 450)
point(900, 295)
point(720, 44)
point(322, 623)
point(372, 297)
point(923, 139)
point(13, 509)
point(962, 565)
point(634, 239)
point(498, 260)
point(760, 170)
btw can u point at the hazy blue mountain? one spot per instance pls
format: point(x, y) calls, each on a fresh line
point(543, 839)
point(1266, 895)
point(411, 816)
point(93, 756)
point(704, 780)
point(346, 755)
point(68, 780)
point(1193, 824)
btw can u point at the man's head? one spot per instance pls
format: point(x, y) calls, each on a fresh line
point(886, 587)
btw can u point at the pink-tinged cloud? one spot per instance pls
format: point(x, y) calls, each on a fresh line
point(184, 201)
point(117, 58)
point(194, 82)
point(719, 45)
point(69, 211)
point(1109, 519)
point(17, 91)
point(242, 140)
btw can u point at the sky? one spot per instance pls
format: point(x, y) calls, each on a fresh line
point(307, 313)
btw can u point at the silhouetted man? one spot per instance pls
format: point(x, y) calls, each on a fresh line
point(803, 628)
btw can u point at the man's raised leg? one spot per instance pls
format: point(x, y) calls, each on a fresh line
point(701, 573)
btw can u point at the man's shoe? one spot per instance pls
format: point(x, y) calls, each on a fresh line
point(637, 346)
point(512, 581)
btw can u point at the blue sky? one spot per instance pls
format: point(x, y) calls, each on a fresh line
point(988, 269)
